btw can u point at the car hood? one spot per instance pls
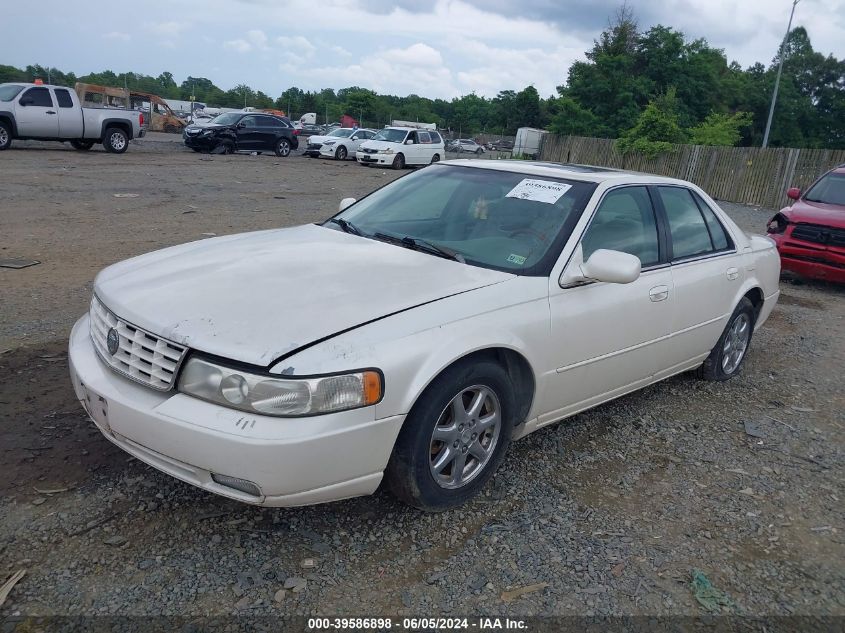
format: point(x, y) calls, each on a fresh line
point(380, 145)
point(816, 213)
point(255, 297)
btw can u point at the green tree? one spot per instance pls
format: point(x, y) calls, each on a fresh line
point(720, 129)
point(656, 129)
point(571, 118)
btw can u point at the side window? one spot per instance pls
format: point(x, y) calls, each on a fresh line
point(249, 121)
point(63, 97)
point(690, 235)
point(425, 137)
point(40, 97)
point(624, 222)
point(265, 121)
point(717, 232)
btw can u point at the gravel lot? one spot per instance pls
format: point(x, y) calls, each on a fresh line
point(608, 513)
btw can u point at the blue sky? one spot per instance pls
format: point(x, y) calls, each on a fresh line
point(435, 48)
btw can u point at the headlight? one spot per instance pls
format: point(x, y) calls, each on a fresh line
point(385, 151)
point(278, 395)
point(329, 142)
point(777, 224)
point(206, 132)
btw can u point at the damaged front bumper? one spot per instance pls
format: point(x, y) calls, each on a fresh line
point(256, 459)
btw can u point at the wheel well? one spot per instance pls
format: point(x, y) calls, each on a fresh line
point(755, 296)
point(519, 371)
point(125, 127)
point(8, 121)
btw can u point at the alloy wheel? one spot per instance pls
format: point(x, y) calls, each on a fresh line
point(736, 343)
point(465, 437)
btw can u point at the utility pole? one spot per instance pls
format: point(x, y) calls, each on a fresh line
point(777, 79)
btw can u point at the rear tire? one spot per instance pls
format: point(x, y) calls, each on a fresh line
point(725, 359)
point(82, 146)
point(5, 136)
point(399, 162)
point(435, 158)
point(115, 140)
point(282, 148)
point(341, 153)
point(447, 449)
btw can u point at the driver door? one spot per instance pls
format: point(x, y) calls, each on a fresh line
point(249, 134)
point(39, 117)
point(608, 339)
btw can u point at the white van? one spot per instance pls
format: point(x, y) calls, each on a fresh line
point(400, 146)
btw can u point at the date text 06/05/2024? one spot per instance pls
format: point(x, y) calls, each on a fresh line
point(416, 624)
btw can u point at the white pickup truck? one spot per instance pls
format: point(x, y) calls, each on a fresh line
point(53, 113)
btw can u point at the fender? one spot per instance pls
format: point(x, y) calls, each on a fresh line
point(123, 124)
point(9, 117)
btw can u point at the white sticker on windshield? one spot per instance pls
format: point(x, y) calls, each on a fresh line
point(539, 190)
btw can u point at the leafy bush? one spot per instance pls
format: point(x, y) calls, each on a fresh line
point(720, 129)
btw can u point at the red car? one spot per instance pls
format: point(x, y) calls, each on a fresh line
point(810, 234)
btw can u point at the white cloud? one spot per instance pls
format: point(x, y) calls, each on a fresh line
point(418, 54)
point(257, 38)
point(117, 35)
point(297, 43)
point(167, 30)
point(239, 46)
point(339, 50)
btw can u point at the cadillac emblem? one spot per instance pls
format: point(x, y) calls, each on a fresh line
point(113, 341)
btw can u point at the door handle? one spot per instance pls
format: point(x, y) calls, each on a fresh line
point(659, 293)
point(732, 273)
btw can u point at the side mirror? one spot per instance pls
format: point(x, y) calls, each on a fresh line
point(603, 265)
point(613, 267)
point(345, 203)
point(354, 138)
point(241, 125)
point(793, 192)
point(409, 142)
point(25, 101)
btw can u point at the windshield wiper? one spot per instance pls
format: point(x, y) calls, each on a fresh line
point(417, 244)
point(346, 225)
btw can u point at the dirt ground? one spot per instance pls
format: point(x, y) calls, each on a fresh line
point(610, 513)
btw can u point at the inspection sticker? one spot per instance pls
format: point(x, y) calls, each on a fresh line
point(516, 259)
point(539, 190)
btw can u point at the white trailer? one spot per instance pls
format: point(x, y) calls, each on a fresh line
point(528, 142)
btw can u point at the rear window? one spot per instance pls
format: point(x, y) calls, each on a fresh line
point(63, 97)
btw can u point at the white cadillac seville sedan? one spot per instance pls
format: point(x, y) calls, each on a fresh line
point(414, 335)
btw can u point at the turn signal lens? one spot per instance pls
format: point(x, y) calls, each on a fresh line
point(372, 387)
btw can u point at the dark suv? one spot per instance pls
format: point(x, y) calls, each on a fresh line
point(243, 131)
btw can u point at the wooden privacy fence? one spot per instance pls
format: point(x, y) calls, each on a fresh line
point(747, 175)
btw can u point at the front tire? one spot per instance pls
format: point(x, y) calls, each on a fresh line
point(399, 162)
point(282, 148)
point(725, 359)
point(341, 153)
point(116, 141)
point(5, 136)
point(454, 438)
point(82, 146)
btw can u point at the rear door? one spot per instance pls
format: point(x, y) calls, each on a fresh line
point(36, 114)
point(707, 271)
point(70, 118)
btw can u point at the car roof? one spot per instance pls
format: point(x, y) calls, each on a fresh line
point(588, 173)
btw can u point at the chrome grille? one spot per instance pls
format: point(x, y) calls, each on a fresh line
point(141, 356)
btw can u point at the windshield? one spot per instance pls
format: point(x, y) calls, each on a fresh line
point(7, 93)
point(829, 190)
point(228, 118)
point(394, 136)
point(341, 133)
point(495, 219)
